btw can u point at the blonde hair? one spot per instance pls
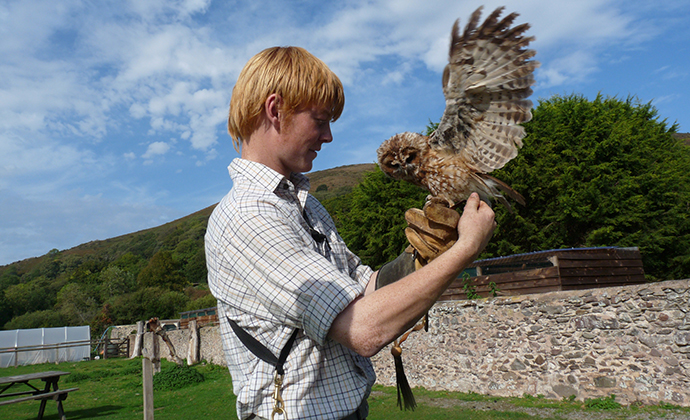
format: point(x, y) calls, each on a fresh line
point(297, 76)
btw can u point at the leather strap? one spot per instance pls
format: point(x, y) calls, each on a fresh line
point(261, 351)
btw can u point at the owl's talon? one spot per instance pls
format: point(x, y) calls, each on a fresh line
point(438, 201)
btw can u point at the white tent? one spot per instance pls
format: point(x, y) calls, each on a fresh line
point(43, 345)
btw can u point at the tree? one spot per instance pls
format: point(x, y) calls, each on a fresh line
point(29, 297)
point(605, 172)
point(76, 305)
point(595, 173)
point(37, 319)
point(114, 282)
point(146, 303)
point(162, 271)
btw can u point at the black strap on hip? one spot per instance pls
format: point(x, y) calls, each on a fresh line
point(261, 351)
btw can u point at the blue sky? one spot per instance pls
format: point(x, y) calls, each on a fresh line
point(112, 113)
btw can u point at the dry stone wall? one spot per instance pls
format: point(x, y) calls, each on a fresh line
point(210, 344)
point(631, 341)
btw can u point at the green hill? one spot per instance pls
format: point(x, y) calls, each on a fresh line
point(154, 272)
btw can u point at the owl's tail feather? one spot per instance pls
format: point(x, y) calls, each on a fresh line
point(495, 187)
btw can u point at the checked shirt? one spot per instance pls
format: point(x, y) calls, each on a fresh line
point(270, 276)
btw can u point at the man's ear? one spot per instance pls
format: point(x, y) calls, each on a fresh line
point(272, 107)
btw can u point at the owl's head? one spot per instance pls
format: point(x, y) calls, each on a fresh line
point(400, 156)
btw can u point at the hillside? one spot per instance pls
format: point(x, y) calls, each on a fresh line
point(324, 184)
point(337, 181)
point(153, 272)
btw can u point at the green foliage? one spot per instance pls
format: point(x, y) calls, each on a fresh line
point(115, 281)
point(207, 301)
point(77, 304)
point(146, 303)
point(668, 406)
point(600, 173)
point(162, 271)
point(31, 296)
point(603, 403)
point(176, 377)
point(469, 288)
point(37, 319)
point(493, 289)
point(371, 218)
point(96, 283)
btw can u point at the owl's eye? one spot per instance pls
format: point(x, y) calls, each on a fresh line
point(411, 157)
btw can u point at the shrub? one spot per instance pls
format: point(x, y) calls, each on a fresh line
point(603, 403)
point(176, 377)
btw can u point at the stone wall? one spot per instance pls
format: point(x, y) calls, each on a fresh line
point(210, 345)
point(631, 341)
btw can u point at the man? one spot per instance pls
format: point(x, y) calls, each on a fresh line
point(277, 264)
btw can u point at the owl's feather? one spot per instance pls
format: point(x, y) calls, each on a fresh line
point(486, 84)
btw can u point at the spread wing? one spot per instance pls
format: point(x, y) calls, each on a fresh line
point(486, 84)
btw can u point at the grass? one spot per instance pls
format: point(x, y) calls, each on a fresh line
point(112, 390)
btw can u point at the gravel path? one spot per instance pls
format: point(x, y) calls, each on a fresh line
point(552, 413)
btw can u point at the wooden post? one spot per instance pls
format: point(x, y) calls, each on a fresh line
point(193, 345)
point(138, 341)
point(147, 373)
point(156, 356)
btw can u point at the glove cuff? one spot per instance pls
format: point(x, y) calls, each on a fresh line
point(394, 270)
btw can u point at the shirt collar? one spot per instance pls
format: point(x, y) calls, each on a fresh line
point(265, 177)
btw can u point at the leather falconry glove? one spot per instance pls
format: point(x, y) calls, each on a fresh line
point(430, 232)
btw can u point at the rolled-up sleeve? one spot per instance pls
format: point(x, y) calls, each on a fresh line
point(287, 279)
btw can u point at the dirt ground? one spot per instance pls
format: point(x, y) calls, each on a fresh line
point(554, 413)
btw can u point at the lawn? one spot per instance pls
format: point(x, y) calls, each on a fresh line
point(112, 390)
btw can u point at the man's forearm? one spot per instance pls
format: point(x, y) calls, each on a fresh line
point(372, 321)
point(378, 317)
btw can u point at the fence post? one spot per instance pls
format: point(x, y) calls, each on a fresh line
point(147, 373)
point(138, 341)
point(155, 349)
point(193, 346)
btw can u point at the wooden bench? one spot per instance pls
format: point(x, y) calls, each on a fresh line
point(60, 395)
point(50, 380)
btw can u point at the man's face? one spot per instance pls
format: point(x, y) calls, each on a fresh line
point(302, 137)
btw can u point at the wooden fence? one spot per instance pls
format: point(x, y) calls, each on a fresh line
point(548, 271)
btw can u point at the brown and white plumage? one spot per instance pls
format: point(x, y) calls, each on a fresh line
point(486, 85)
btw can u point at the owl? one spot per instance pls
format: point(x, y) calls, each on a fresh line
point(486, 85)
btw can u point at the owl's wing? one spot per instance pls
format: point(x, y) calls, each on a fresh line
point(486, 84)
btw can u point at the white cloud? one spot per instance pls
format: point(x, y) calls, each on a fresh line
point(156, 149)
point(83, 85)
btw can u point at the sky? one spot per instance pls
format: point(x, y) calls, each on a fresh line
point(113, 113)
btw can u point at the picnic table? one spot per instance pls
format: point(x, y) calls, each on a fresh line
point(48, 391)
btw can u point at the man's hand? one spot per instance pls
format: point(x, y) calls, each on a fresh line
point(431, 231)
point(477, 224)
